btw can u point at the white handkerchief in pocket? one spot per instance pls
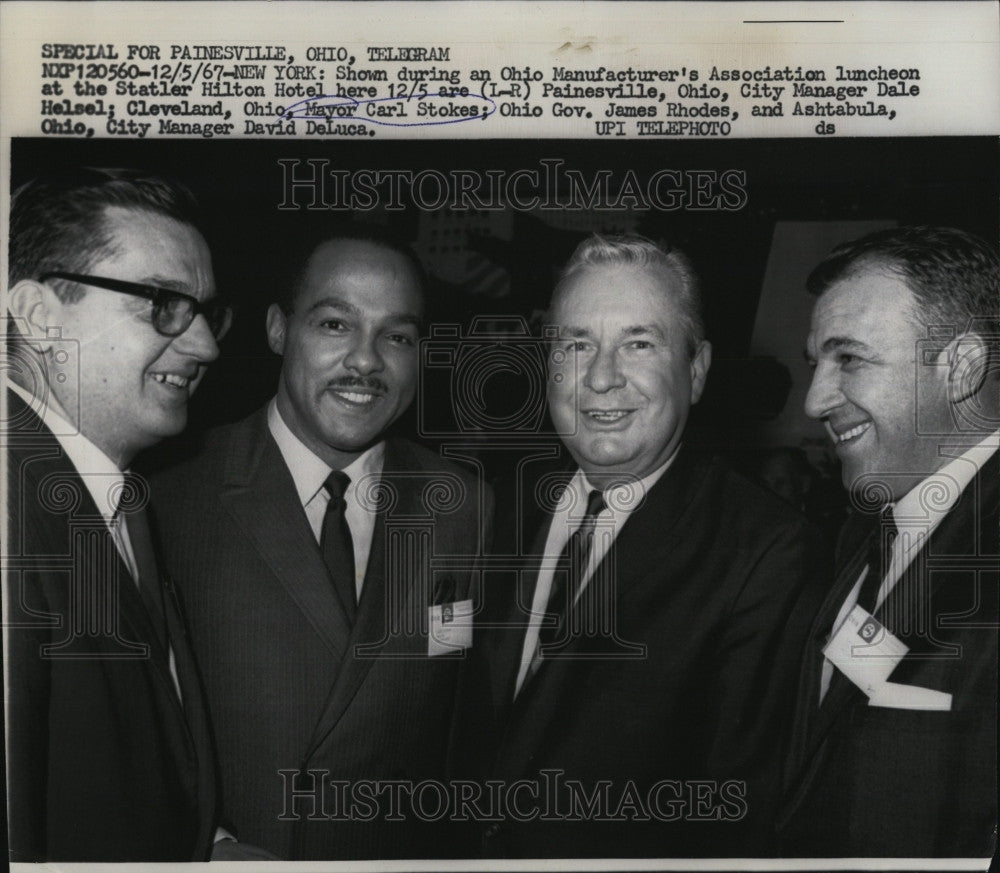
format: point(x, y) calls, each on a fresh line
point(864, 650)
point(895, 696)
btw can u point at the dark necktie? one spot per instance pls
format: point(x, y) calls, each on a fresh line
point(570, 570)
point(136, 525)
point(879, 558)
point(336, 544)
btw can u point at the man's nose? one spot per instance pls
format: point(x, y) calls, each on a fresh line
point(364, 356)
point(824, 392)
point(198, 341)
point(604, 372)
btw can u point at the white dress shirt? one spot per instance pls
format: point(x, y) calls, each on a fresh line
point(917, 515)
point(309, 474)
point(620, 502)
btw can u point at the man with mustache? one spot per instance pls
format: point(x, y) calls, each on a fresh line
point(894, 753)
point(308, 549)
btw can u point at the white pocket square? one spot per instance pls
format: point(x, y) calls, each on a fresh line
point(892, 695)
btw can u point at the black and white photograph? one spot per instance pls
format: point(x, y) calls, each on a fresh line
point(383, 489)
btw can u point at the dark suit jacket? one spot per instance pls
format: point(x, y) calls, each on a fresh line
point(871, 781)
point(104, 763)
point(290, 686)
point(709, 574)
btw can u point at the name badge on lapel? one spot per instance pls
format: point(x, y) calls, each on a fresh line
point(450, 627)
point(865, 651)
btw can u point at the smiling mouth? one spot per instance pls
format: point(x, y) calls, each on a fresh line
point(356, 398)
point(606, 416)
point(173, 379)
point(851, 434)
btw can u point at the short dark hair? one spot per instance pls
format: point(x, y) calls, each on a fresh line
point(57, 222)
point(954, 276)
point(635, 250)
point(301, 252)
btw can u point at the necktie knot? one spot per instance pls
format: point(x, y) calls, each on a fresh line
point(336, 486)
point(595, 505)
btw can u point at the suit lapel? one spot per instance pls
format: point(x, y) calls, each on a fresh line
point(531, 528)
point(962, 532)
point(137, 625)
point(523, 516)
point(505, 655)
point(643, 543)
point(108, 578)
point(260, 495)
point(195, 713)
point(389, 596)
point(648, 537)
point(189, 740)
point(103, 562)
point(970, 529)
point(815, 718)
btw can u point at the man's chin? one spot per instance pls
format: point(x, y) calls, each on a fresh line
point(167, 425)
point(855, 479)
point(873, 487)
point(354, 442)
point(604, 462)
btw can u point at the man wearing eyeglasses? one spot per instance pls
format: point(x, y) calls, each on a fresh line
point(113, 320)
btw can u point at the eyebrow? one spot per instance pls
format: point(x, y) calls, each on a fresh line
point(632, 330)
point(166, 284)
point(181, 287)
point(838, 343)
point(842, 342)
point(351, 309)
point(639, 329)
point(334, 303)
point(406, 318)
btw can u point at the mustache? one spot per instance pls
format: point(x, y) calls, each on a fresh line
point(370, 383)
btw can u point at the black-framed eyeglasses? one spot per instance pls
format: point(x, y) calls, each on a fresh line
point(173, 311)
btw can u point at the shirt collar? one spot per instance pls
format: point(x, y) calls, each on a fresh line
point(933, 498)
point(623, 498)
point(308, 470)
point(99, 473)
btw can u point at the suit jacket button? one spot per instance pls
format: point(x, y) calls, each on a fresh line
point(492, 831)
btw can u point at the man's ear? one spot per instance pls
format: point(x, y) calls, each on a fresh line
point(968, 364)
point(700, 364)
point(33, 306)
point(277, 322)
